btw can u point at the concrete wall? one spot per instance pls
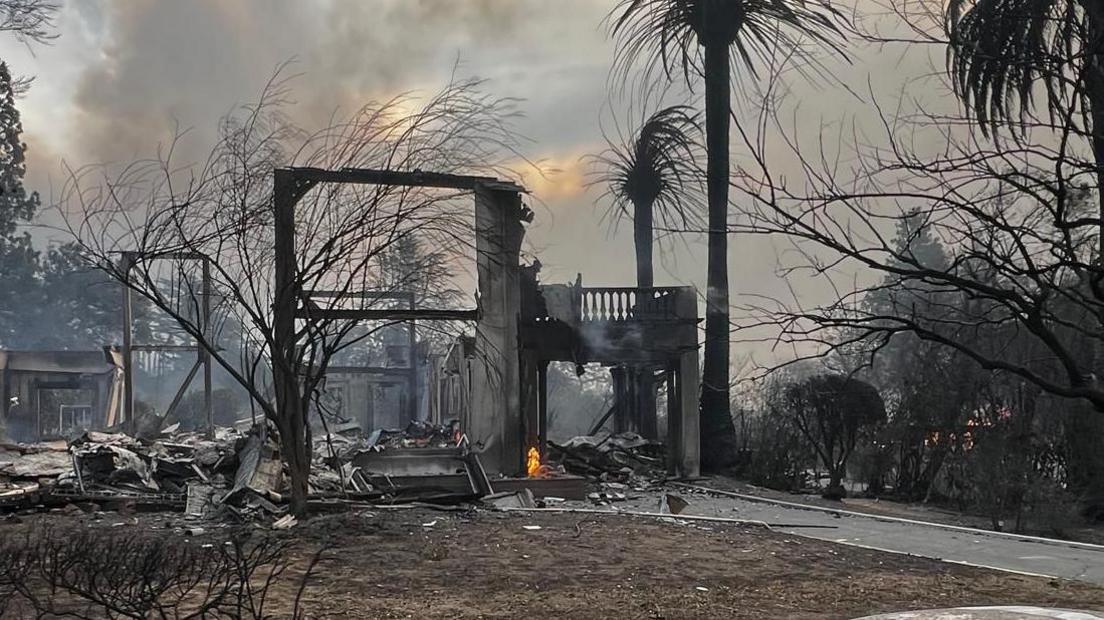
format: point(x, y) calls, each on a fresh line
point(494, 423)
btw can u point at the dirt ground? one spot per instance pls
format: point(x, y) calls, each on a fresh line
point(490, 565)
point(422, 563)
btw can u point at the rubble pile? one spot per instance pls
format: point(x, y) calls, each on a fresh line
point(99, 465)
point(622, 457)
point(334, 469)
point(25, 469)
point(417, 434)
point(239, 474)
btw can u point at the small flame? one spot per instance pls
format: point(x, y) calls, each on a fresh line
point(533, 463)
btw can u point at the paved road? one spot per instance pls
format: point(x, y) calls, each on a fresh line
point(1053, 559)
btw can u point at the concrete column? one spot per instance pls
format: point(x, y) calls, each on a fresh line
point(689, 382)
point(689, 379)
point(646, 401)
point(529, 374)
point(620, 399)
point(495, 420)
point(674, 420)
point(542, 407)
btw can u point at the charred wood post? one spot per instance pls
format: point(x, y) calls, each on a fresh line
point(127, 262)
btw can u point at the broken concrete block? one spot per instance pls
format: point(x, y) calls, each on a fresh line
point(517, 499)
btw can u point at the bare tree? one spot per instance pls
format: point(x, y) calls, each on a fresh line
point(31, 21)
point(1021, 291)
point(164, 217)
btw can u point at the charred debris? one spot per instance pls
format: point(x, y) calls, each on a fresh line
point(238, 475)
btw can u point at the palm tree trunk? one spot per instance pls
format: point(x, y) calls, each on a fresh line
point(1095, 18)
point(717, 430)
point(1093, 489)
point(642, 237)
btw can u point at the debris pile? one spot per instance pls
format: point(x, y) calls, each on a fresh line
point(417, 434)
point(106, 466)
point(623, 457)
point(240, 474)
point(343, 463)
point(26, 469)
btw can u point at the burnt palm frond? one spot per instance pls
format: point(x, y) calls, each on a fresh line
point(656, 167)
point(1000, 51)
point(668, 35)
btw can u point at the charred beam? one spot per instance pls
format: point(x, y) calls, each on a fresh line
point(414, 178)
point(397, 314)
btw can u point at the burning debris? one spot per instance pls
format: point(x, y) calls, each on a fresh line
point(533, 463)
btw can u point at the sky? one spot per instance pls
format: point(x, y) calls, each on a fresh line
point(123, 75)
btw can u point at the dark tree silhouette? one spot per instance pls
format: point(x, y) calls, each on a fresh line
point(703, 38)
point(1022, 273)
point(1002, 52)
point(653, 174)
point(831, 411)
point(18, 258)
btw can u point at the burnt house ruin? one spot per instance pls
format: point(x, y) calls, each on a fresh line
point(494, 381)
point(48, 394)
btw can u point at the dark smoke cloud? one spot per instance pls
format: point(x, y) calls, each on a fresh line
point(165, 63)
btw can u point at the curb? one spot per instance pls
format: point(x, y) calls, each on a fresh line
point(867, 515)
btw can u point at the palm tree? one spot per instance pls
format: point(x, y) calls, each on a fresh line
point(1002, 51)
point(704, 38)
point(654, 173)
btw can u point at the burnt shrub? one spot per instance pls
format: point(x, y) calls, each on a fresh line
point(53, 572)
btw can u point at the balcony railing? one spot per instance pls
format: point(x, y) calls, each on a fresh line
point(627, 304)
point(612, 304)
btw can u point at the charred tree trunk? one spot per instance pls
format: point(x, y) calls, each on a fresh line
point(643, 239)
point(295, 438)
point(717, 430)
point(1095, 92)
point(1092, 489)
